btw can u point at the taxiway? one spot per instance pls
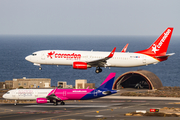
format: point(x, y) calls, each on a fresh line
point(102, 108)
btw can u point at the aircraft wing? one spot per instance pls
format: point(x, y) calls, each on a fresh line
point(101, 62)
point(55, 97)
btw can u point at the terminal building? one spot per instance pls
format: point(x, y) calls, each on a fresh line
point(63, 84)
point(43, 83)
point(26, 83)
point(79, 84)
point(82, 84)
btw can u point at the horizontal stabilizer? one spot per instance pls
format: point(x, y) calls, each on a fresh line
point(167, 55)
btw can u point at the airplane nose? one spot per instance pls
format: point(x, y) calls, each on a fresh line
point(4, 96)
point(28, 58)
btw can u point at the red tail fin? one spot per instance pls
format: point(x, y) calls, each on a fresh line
point(160, 46)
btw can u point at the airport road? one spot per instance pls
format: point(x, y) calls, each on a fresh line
point(111, 109)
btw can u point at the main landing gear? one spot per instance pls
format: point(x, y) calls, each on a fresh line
point(98, 70)
point(15, 102)
point(40, 68)
point(62, 103)
point(56, 103)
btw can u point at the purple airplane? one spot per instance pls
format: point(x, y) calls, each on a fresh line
point(60, 95)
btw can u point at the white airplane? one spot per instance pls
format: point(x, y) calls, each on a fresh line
point(59, 95)
point(26, 94)
point(87, 59)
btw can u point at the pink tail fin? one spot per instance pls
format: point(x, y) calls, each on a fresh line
point(160, 46)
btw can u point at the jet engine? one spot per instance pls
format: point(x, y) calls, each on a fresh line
point(106, 92)
point(80, 65)
point(42, 100)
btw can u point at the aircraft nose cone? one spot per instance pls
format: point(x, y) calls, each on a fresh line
point(28, 58)
point(4, 96)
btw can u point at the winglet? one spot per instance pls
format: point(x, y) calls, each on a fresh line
point(112, 53)
point(125, 48)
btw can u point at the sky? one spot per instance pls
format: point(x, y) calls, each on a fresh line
point(89, 17)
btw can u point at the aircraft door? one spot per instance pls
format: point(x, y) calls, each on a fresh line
point(35, 93)
point(95, 92)
point(14, 94)
point(43, 56)
point(144, 59)
point(64, 93)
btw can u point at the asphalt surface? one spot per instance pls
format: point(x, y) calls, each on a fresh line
point(109, 108)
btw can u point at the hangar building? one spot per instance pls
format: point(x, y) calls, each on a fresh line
point(141, 79)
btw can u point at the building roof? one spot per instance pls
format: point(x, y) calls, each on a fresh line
point(153, 81)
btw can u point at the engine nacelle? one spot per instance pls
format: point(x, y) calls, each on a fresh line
point(106, 92)
point(42, 100)
point(80, 65)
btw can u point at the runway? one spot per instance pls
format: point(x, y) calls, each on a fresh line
point(69, 105)
point(103, 108)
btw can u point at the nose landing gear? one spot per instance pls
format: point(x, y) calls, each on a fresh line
point(15, 102)
point(40, 68)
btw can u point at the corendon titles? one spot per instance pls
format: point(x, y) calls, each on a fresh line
point(164, 38)
point(72, 56)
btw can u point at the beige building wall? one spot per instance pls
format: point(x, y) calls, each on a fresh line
point(69, 86)
point(90, 85)
point(80, 83)
point(61, 84)
point(2, 85)
point(32, 83)
point(8, 84)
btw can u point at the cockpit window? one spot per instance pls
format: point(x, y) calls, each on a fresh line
point(8, 93)
point(34, 54)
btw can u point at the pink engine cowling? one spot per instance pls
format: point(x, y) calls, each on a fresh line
point(42, 100)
